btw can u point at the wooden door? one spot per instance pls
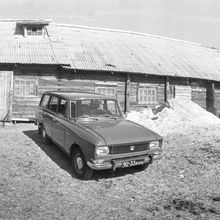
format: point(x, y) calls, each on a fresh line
point(5, 94)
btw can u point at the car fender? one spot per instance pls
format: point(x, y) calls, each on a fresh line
point(84, 138)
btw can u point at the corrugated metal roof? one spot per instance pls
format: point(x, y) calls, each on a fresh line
point(84, 48)
point(15, 48)
point(111, 50)
point(33, 22)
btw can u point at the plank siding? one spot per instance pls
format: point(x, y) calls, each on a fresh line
point(137, 82)
point(199, 92)
point(183, 93)
point(46, 77)
point(52, 79)
point(179, 88)
point(210, 97)
point(178, 81)
point(160, 94)
point(24, 107)
point(199, 96)
point(217, 99)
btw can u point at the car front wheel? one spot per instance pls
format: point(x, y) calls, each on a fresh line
point(80, 168)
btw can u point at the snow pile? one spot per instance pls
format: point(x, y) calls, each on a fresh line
point(175, 114)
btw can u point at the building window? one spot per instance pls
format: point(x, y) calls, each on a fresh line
point(34, 31)
point(106, 89)
point(31, 27)
point(147, 95)
point(25, 87)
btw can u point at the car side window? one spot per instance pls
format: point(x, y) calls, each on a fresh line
point(53, 103)
point(62, 109)
point(44, 101)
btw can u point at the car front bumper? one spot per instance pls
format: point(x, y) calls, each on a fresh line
point(118, 162)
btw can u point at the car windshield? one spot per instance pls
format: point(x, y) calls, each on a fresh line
point(93, 108)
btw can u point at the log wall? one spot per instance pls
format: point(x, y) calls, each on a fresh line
point(24, 106)
point(51, 79)
point(199, 92)
point(217, 99)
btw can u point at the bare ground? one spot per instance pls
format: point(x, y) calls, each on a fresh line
point(36, 180)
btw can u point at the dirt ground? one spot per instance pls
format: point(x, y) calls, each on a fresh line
point(36, 180)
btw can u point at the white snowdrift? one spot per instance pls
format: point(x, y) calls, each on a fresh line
point(180, 114)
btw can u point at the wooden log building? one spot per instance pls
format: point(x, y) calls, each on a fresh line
point(140, 70)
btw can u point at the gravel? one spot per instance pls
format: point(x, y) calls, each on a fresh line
point(36, 181)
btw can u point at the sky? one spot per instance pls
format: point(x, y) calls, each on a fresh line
point(190, 20)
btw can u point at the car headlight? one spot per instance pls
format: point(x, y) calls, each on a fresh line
point(102, 151)
point(154, 145)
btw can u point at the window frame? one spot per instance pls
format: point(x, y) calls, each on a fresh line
point(105, 86)
point(34, 31)
point(146, 89)
point(25, 80)
point(28, 31)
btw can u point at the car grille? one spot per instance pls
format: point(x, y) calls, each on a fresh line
point(121, 149)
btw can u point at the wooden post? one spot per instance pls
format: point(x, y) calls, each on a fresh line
point(213, 97)
point(210, 99)
point(127, 90)
point(166, 88)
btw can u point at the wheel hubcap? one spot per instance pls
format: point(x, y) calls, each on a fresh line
point(79, 163)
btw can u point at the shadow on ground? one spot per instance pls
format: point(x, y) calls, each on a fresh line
point(63, 161)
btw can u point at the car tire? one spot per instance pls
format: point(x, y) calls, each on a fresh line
point(40, 129)
point(79, 166)
point(141, 167)
point(44, 134)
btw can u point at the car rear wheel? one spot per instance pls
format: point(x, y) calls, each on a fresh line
point(44, 134)
point(40, 129)
point(80, 168)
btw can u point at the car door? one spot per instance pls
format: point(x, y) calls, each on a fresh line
point(44, 114)
point(50, 116)
point(58, 128)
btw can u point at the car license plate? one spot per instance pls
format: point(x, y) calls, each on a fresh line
point(132, 163)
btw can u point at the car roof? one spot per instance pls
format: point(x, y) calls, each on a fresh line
point(75, 95)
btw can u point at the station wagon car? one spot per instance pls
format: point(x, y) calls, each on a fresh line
point(92, 130)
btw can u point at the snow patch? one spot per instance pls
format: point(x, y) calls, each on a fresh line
point(175, 114)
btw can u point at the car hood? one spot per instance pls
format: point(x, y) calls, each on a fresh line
point(120, 131)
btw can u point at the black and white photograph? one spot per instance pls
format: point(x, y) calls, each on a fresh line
point(110, 109)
